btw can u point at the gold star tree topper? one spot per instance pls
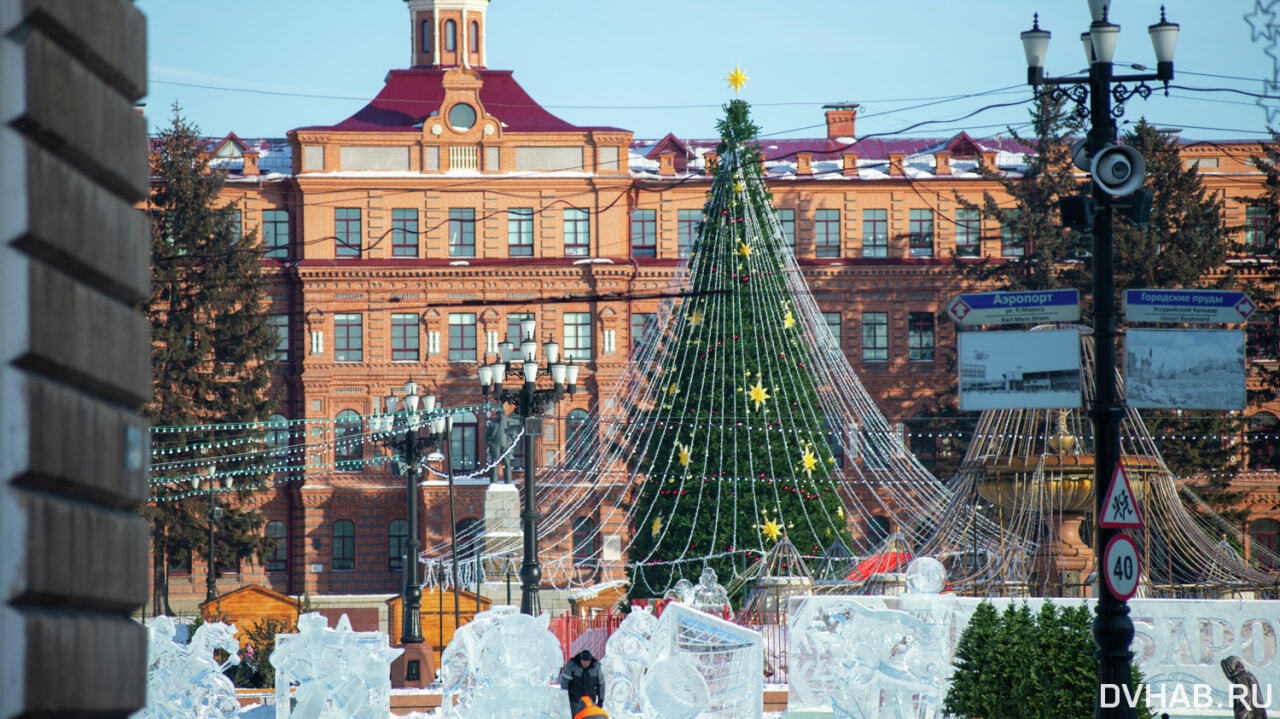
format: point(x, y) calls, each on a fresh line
point(737, 79)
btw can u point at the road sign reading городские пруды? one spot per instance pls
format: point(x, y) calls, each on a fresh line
point(994, 308)
point(1193, 306)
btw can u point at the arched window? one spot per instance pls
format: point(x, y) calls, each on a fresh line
point(344, 545)
point(397, 544)
point(277, 437)
point(584, 542)
point(475, 37)
point(450, 36)
point(463, 442)
point(1265, 533)
point(278, 558)
point(579, 444)
point(470, 537)
point(1264, 441)
point(348, 448)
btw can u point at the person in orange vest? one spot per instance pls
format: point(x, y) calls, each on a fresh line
point(581, 678)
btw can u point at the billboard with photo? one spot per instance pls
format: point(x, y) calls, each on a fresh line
point(1184, 369)
point(1019, 370)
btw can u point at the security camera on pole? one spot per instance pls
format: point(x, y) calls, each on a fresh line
point(1118, 172)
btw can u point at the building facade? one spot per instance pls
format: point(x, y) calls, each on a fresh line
point(406, 241)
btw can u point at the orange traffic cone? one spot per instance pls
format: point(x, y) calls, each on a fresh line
point(590, 710)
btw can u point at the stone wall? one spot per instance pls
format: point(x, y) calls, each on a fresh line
point(74, 357)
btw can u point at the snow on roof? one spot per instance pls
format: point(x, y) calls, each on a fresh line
point(596, 590)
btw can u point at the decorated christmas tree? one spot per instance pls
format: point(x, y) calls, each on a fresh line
point(732, 442)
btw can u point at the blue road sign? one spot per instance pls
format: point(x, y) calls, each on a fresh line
point(1195, 306)
point(996, 308)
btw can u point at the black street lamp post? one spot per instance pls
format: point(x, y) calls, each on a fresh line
point(1115, 173)
point(529, 401)
point(412, 446)
point(215, 513)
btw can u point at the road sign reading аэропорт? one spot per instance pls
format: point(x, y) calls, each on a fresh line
point(994, 308)
point(1194, 306)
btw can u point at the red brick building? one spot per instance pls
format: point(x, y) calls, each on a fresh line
point(393, 235)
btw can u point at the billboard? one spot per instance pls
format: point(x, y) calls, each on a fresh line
point(1019, 370)
point(1184, 369)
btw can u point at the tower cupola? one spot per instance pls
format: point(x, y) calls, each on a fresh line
point(448, 33)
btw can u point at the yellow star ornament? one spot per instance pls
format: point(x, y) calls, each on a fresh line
point(695, 319)
point(759, 394)
point(789, 321)
point(656, 526)
point(808, 462)
point(683, 456)
point(737, 79)
point(745, 250)
point(772, 530)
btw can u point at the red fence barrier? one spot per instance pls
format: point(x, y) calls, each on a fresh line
point(591, 633)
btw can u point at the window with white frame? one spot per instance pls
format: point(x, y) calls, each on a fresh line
point(577, 335)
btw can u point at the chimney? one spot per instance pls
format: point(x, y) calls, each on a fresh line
point(840, 119)
point(989, 161)
point(896, 162)
point(849, 165)
point(942, 163)
point(804, 163)
point(667, 164)
point(250, 164)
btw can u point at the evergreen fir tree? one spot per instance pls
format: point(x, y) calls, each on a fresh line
point(975, 686)
point(212, 349)
point(1036, 251)
point(746, 460)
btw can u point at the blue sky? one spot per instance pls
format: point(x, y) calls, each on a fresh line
point(659, 66)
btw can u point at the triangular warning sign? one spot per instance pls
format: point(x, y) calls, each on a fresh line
point(1121, 508)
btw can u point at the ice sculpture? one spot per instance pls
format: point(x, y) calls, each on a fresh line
point(729, 658)
point(673, 688)
point(339, 673)
point(501, 664)
point(185, 681)
point(926, 575)
point(626, 657)
point(708, 595)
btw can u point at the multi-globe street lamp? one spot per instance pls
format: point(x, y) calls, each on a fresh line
point(1117, 172)
point(215, 514)
point(528, 401)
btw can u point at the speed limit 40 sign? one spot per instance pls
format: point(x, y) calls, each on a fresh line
point(1122, 566)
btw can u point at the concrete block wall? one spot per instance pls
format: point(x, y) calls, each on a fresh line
point(74, 358)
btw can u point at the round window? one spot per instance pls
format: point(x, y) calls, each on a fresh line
point(462, 116)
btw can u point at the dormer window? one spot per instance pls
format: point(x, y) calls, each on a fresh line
point(450, 36)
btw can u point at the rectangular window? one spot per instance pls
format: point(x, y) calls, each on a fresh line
point(826, 233)
point(644, 233)
point(404, 232)
point(346, 231)
point(968, 233)
point(1256, 224)
point(577, 335)
point(348, 338)
point(834, 321)
point(1011, 244)
point(281, 323)
point(404, 337)
point(462, 232)
point(1263, 338)
point(520, 232)
point(687, 226)
point(643, 327)
point(275, 234)
point(875, 337)
point(920, 232)
point(462, 337)
point(875, 233)
point(577, 232)
point(920, 336)
point(787, 218)
point(278, 558)
point(462, 445)
point(237, 225)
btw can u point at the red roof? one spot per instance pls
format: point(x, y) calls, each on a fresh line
point(411, 96)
